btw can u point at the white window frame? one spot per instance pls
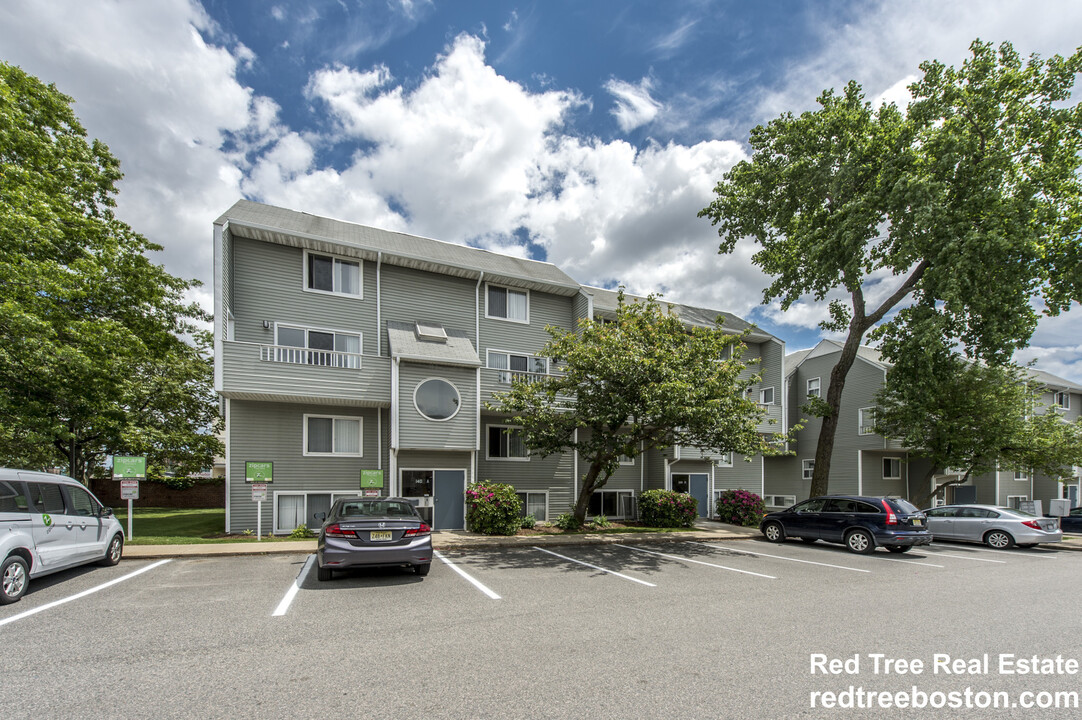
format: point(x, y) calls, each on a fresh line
point(762, 395)
point(359, 295)
point(531, 357)
point(432, 419)
point(332, 331)
point(773, 500)
point(1066, 400)
point(725, 461)
point(892, 459)
point(335, 494)
point(807, 469)
point(488, 444)
point(1021, 476)
point(332, 418)
point(862, 428)
point(616, 492)
point(508, 289)
point(525, 505)
point(818, 387)
point(1020, 498)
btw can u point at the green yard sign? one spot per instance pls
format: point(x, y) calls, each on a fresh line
point(129, 467)
point(258, 472)
point(371, 478)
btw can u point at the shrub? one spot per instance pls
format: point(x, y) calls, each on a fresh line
point(665, 508)
point(740, 507)
point(301, 532)
point(568, 522)
point(601, 522)
point(528, 522)
point(492, 508)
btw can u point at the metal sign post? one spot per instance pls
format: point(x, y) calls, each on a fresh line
point(259, 474)
point(129, 470)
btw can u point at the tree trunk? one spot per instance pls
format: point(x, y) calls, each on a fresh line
point(589, 485)
point(825, 447)
point(927, 499)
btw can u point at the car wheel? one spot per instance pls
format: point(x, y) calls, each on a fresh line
point(14, 578)
point(998, 539)
point(116, 549)
point(859, 541)
point(899, 548)
point(324, 574)
point(774, 532)
point(810, 540)
point(422, 570)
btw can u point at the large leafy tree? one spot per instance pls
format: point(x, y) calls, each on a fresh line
point(967, 204)
point(645, 381)
point(969, 416)
point(99, 351)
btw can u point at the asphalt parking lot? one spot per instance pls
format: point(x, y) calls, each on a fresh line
point(673, 630)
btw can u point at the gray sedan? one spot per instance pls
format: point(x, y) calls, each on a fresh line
point(996, 527)
point(372, 532)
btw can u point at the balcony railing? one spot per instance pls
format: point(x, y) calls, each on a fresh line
point(504, 377)
point(307, 356)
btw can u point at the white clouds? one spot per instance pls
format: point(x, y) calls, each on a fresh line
point(634, 106)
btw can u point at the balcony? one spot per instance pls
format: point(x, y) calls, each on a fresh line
point(494, 380)
point(279, 373)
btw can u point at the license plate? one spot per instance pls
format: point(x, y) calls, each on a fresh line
point(917, 521)
point(379, 535)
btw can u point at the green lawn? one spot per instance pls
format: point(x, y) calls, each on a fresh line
point(172, 526)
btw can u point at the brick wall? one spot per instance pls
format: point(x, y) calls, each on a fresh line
point(152, 494)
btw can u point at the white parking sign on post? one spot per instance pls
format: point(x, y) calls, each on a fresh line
point(259, 492)
point(129, 490)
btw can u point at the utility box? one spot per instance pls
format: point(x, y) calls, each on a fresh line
point(1059, 507)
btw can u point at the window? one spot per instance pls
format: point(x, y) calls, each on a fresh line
point(81, 502)
point(766, 396)
point(328, 348)
point(627, 460)
point(807, 468)
point(46, 498)
point(892, 468)
point(866, 421)
point(1062, 400)
point(12, 498)
point(520, 365)
point(505, 443)
point(726, 460)
point(1014, 502)
point(295, 508)
point(508, 304)
point(779, 500)
point(813, 387)
point(612, 503)
point(325, 273)
point(329, 435)
point(1021, 475)
point(534, 503)
point(436, 399)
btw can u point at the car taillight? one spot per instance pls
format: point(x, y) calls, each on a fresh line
point(418, 532)
point(336, 531)
point(892, 519)
point(1031, 523)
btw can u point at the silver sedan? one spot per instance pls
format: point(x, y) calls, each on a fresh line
point(996, 527)
point(372, 532)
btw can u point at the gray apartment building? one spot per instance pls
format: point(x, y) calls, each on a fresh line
point(865, 463)
point(341, 348)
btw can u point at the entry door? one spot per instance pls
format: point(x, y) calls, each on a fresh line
point(697, 486)
point(450, 505)
point(1072, 494)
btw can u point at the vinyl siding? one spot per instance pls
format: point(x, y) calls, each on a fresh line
point(552, 474)
point(418, 432)
point(741, 476)
point(411, 295)
point(544, 310)
point(580, 309)
point(873, 482)
point(275, 432)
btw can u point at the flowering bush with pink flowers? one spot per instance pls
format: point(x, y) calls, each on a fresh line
point(492, 508)
point(740, 507)
point(665, 508)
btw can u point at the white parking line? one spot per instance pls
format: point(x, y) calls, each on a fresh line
point(697, 562)
point(779, 557)
point(595, 567)
point(964, 557)
point(910, 562)
point(477, 584)
point(82, 594)
point(283, 606)
point(1016, 551)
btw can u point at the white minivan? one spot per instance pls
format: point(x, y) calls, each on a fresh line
point(50, 523)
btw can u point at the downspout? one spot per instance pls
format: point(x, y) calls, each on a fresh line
point(575, 467)
point(484, 362)
point(393, 456)
point(379, 304)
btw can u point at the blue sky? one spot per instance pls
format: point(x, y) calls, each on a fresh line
point(584, 133)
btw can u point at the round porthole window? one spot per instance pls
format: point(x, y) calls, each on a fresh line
point(437, 399)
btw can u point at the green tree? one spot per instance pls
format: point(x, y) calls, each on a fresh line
point(968, 204)
point(99, 351)
point(643, 382)
point(969, 416)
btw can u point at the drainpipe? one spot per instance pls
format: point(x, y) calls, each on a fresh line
point(477, 339)
point(379, 304)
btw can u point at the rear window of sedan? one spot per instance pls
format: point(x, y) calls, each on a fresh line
point(381, 508)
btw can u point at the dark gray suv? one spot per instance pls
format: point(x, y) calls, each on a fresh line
point(860, 523)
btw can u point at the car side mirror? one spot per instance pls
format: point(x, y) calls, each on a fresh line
point(321, 516)
point(106, 512)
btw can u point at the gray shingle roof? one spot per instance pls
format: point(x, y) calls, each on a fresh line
point(1053, 381)
point(289, 227)
point(406, 343)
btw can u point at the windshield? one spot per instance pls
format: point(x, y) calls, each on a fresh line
point(376, 508)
